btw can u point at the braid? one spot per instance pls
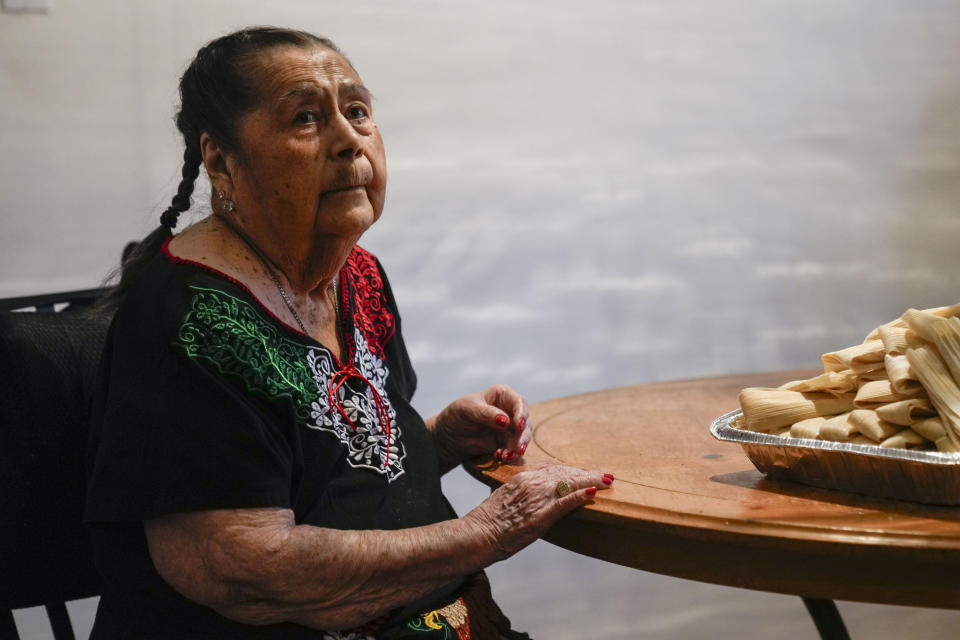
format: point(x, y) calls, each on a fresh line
point(181, 201)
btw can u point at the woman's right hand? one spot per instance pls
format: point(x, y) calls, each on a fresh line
point(524, 508)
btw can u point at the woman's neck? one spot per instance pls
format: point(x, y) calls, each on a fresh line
point(307, 267)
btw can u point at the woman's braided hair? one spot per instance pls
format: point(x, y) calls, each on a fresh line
point(216, 90)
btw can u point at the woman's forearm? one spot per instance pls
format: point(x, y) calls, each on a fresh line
point(377, 570)
point(256, 566)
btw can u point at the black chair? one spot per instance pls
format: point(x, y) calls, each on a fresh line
point(48, 366)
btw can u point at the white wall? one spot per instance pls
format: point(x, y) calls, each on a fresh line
point(582, 195)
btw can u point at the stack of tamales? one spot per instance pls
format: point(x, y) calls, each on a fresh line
point(899, 388)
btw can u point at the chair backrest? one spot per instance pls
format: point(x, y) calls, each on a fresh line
point(48, 366)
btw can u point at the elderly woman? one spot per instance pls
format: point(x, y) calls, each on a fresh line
point(256, 469)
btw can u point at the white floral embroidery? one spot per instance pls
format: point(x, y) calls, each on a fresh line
point(370, 365)
point(367, 446)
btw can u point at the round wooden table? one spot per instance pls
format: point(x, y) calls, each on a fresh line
point(687, 505)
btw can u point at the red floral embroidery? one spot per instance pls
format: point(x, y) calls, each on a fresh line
point(365, 294)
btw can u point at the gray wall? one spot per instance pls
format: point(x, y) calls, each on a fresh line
point(579, 198)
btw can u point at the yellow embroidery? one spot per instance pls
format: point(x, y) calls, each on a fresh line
point(431, 620)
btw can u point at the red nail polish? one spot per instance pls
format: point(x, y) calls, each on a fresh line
point(590, 491)
point(608, 478)
point(498, 454)
point(508, 456)
point(503, 420)
point(523, 448)
point(522, 423)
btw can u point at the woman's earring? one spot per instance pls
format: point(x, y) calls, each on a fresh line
point(228, 204)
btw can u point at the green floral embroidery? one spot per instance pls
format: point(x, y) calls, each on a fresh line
point(235, 338)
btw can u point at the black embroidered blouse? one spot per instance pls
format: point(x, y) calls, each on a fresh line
point(209, 401)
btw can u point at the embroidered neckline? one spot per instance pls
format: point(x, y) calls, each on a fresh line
point(232, 336)
point(344, 325)
point(364, 318)
point(363, 305)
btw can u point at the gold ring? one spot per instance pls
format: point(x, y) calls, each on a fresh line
point(563, 489)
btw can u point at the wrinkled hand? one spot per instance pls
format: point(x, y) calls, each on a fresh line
point(495, 421)
point(524, 508)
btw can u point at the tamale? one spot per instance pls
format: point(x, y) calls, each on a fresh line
point(880, 373)
point(943, 391)
point(858, 358)
point(945, 312)
point(903, 379)
point(862, 439)
point(932, 429)
point(906, 412)
point(874, 393)
point(896, 340)
point(868, 423)
point(923, 322)
point(839, 428)
point(809, 428)
point(893, 324)
point(946, 334)
point(836, 383)
point(766, 409)
point(906, 439)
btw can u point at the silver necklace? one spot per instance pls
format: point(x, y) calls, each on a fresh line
point(276, 281)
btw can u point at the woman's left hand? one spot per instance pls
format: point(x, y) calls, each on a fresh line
point(495, 421)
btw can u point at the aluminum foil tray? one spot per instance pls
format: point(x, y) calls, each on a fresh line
point(932, 477)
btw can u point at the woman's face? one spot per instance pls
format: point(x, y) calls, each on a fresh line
point(312, 161)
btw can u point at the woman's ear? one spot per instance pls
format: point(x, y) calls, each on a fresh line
point(217, 166)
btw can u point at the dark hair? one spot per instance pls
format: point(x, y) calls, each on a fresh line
point(216, 90)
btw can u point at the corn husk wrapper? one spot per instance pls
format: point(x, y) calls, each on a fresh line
point(893, 324)
point(899, 323)
point(872, 394)
point(946, 335)
point(896, 340)
point(903, 379)
point(809, 428)
point(906, 412)
point(766, 409)
point(870, 425)
point(906, 439)
point(933, 430)
point(837, 383)
point(880, 373)
point(943, 391)
point(944, 312)
point(923, 322)
point(862, 439)
point(839, 429)
point(780, 431)
point(858, 358)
